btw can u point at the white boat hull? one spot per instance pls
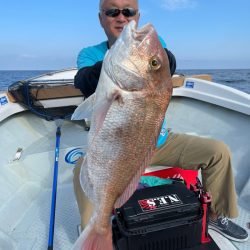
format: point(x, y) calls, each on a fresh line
point(26, 177)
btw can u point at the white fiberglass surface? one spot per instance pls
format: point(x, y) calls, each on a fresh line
point(26, 183)
point(32, 231)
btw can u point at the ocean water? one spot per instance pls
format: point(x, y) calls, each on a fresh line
point(8, 77)
point(236, 78)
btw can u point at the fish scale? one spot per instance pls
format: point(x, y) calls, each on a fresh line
point(129, 106)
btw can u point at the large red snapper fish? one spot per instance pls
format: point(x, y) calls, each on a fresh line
point(127, 110)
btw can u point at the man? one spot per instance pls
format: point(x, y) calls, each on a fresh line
point(188, 152)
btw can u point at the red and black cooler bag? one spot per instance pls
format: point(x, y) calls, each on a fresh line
point(159, 218)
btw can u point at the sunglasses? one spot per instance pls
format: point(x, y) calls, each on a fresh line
point(114, 12)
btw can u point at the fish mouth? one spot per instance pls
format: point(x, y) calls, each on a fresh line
point(131, 42)
point(143, 32)
point(132, 32)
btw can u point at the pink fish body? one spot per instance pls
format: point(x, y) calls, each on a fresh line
point(129, 106)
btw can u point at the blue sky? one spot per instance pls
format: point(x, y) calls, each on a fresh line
point(203, 34)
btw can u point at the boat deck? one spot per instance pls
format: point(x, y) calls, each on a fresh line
point(34, 223)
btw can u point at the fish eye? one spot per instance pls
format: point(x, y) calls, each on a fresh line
point(155, 63)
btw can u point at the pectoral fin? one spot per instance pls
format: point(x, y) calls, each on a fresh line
point(102, 107)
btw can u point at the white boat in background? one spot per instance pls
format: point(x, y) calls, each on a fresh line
point(198, 106)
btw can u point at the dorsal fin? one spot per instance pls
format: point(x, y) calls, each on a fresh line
point(85, 109)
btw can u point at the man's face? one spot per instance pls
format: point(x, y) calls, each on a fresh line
point(113, 26)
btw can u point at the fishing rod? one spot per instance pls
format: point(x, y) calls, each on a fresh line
point(54, 188)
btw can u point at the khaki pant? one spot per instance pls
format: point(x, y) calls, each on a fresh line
point(188, 152)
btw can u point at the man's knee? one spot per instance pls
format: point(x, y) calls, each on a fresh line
point(219, 154)
point(221, 149)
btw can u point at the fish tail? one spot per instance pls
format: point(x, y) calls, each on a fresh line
point(91, 239)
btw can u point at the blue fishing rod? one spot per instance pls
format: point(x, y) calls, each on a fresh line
point(54, 188)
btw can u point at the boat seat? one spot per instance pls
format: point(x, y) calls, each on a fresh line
point(49, 92)
point(178, 80)
point(55, 92)
point(48, 96)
